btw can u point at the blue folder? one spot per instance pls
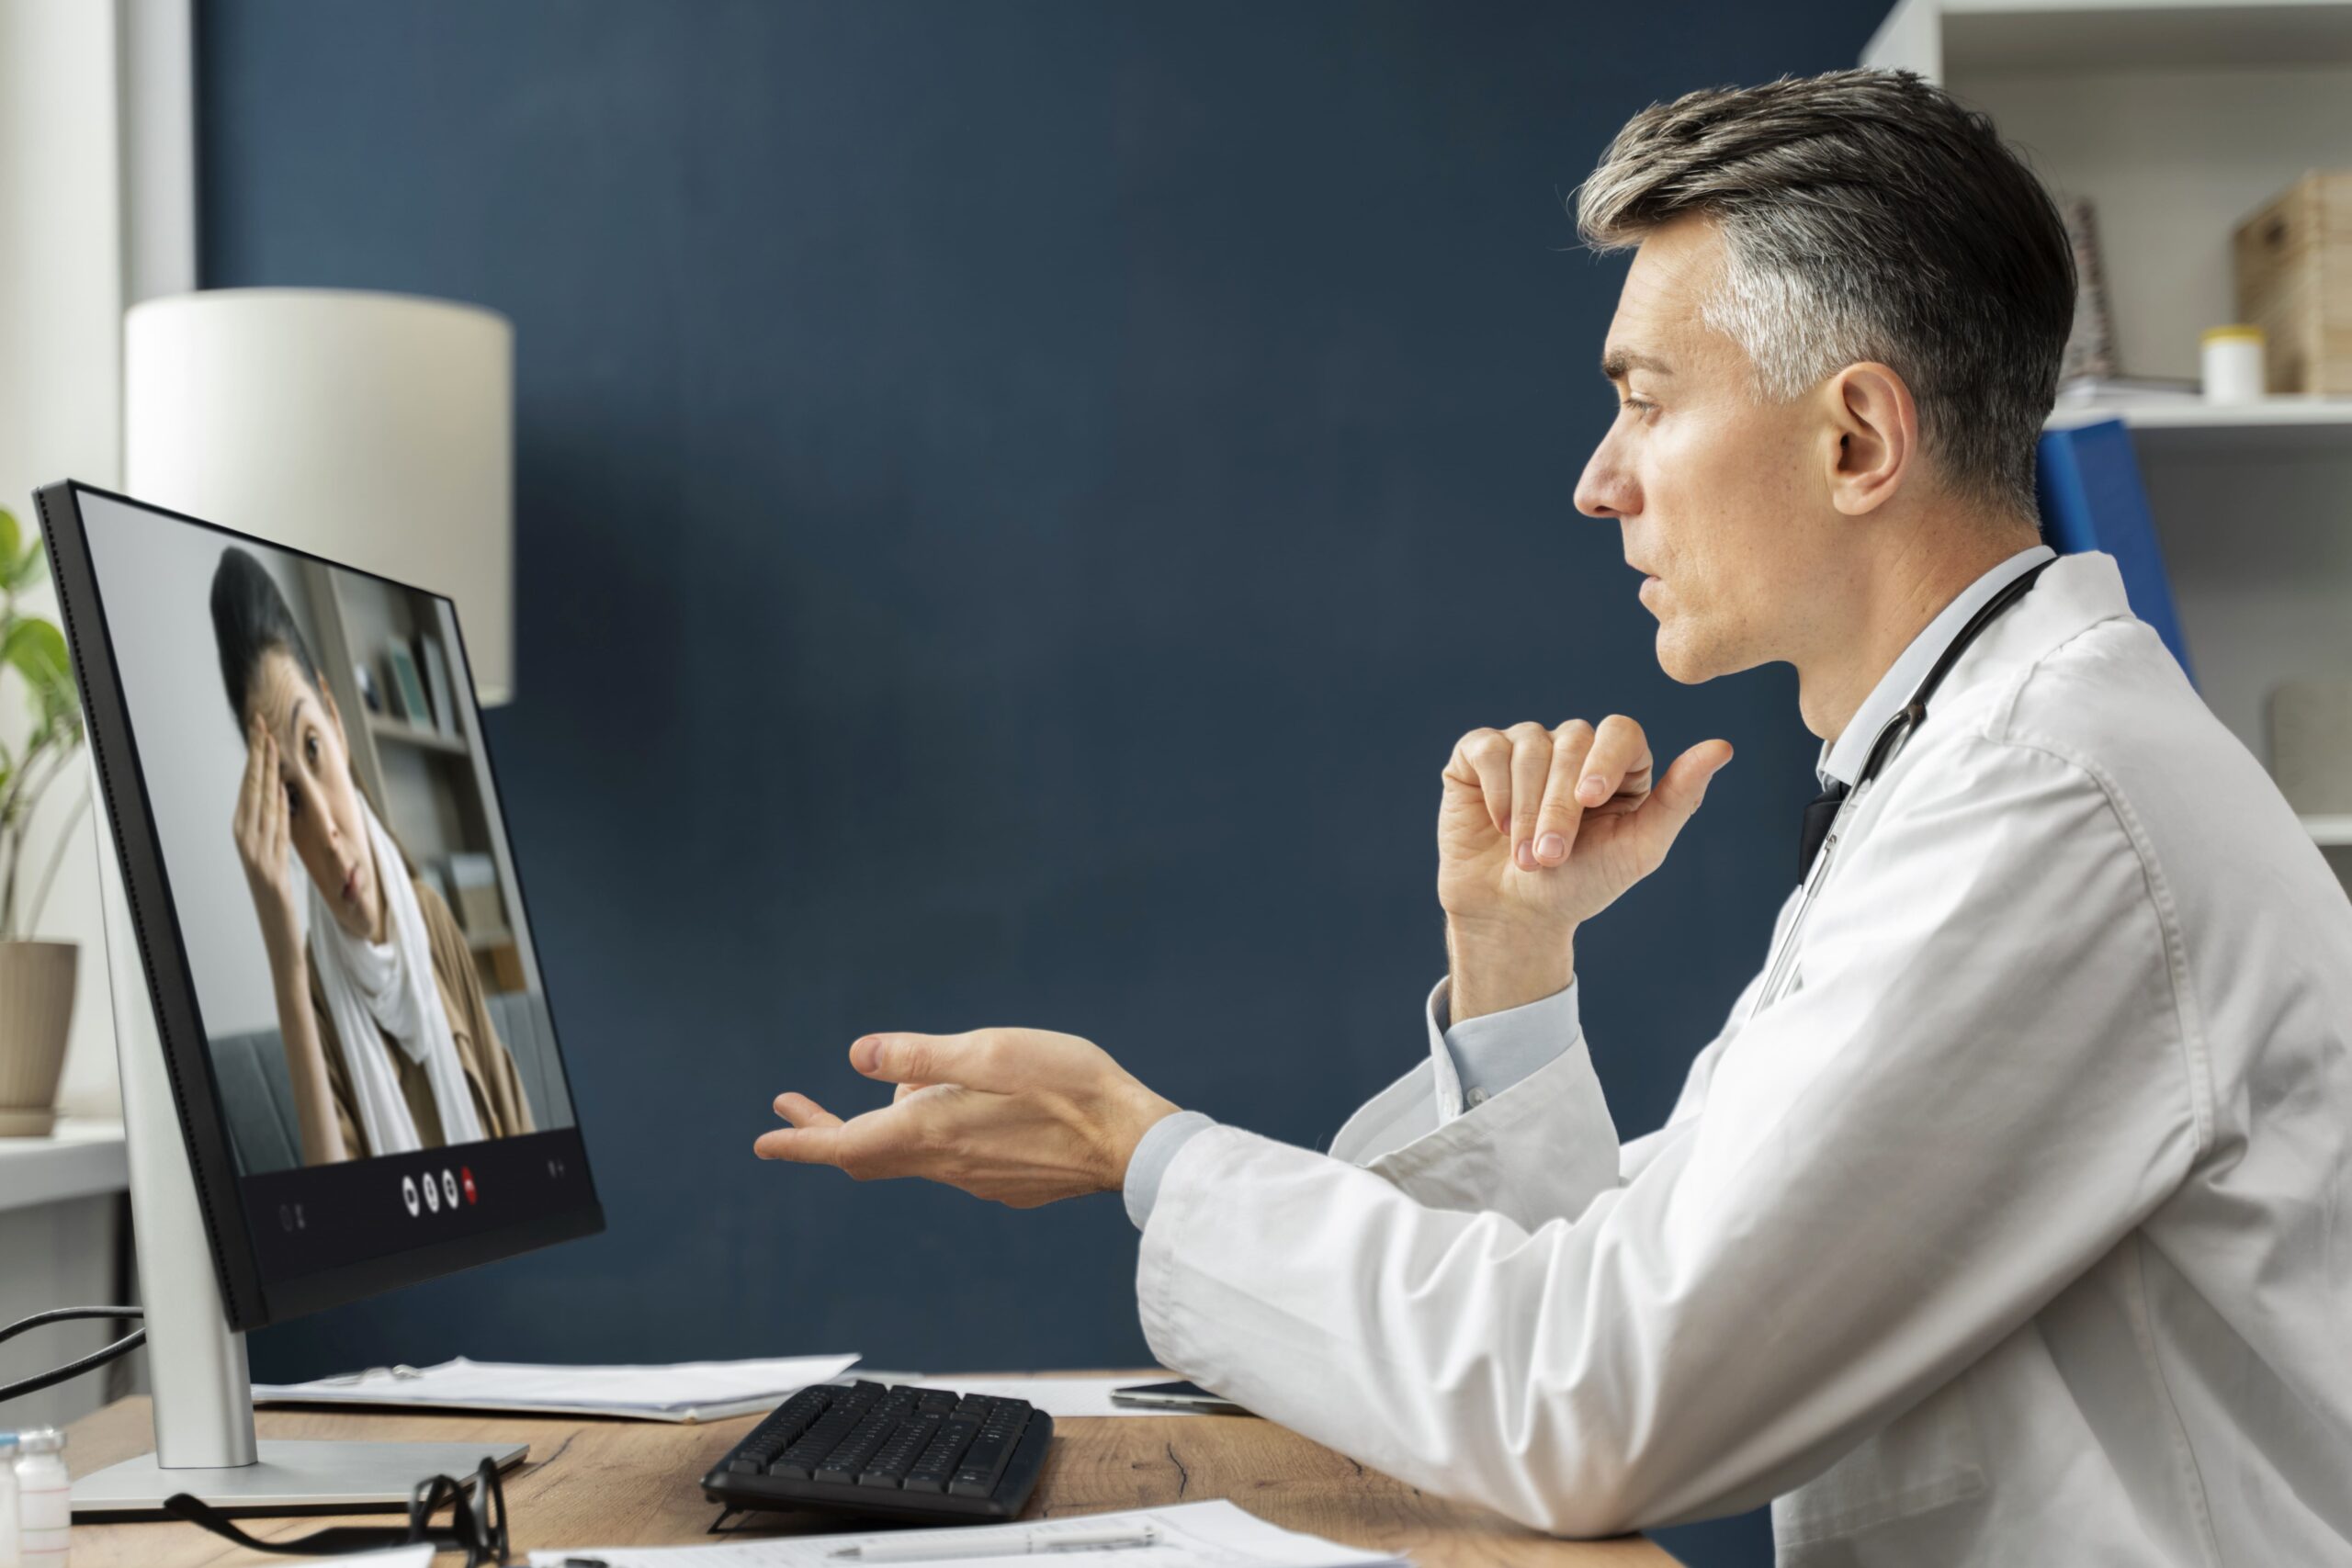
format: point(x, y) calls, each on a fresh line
point(2091, 497)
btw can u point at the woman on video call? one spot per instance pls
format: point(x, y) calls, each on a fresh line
point(388, 1039)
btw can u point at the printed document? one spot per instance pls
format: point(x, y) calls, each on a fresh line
point(1190, 1535)
point(687, 1391)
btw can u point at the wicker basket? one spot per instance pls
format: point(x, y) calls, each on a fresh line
point(35, 1013)
point(2294, 276)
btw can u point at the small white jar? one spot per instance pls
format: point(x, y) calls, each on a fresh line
point(44, 1499)
point(2233, 365)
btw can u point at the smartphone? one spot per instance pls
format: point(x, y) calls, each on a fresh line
point(1176, 1396)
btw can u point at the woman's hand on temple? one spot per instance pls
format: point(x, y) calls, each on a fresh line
point(263, 846)
point(1022, 1116)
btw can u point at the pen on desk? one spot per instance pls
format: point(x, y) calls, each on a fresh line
point(926, 1545)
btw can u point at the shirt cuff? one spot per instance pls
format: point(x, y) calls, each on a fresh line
point(1150, 1162)
point(1488, 1053)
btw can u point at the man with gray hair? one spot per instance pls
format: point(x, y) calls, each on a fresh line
point(2007, 1218)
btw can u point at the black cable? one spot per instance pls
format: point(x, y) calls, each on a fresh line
point(122, 1346)
point(119, 1376)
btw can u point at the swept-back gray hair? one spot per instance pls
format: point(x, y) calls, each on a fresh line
point(1866, 215)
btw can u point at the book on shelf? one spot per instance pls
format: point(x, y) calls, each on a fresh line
point(2089, 486)
point(405, 688)
point(437, 684)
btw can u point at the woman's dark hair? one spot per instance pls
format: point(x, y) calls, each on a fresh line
point(250, 617)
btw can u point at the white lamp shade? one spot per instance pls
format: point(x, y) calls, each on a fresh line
point(374, 429)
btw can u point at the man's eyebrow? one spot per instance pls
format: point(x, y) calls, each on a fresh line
point(1617, 362)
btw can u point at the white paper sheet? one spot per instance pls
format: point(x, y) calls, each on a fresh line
point(1191, 1535)
point(686, 1390)
point(1056, 1396)
point(390, 1557)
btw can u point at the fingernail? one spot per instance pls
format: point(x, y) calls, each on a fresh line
point(1524, 854)
point(1551, 846)
point(1594, 790)
point(862, 1054)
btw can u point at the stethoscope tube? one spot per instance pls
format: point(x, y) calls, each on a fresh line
point(1915, 710)
point(1882, 749)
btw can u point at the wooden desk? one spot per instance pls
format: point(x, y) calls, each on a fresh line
point(631, 1483)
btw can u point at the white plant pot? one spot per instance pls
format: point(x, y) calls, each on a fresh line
point(36, 1014)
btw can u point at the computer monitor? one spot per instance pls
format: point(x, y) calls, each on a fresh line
point(355, 1062)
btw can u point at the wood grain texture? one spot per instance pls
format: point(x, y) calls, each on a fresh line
point(591, 1483)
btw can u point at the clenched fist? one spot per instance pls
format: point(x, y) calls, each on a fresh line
point(1541, 829)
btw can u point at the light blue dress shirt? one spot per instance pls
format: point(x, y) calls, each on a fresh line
point(1485, 1054)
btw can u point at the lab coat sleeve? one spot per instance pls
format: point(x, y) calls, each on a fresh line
point(1987, 1077)
point(1542, 1148)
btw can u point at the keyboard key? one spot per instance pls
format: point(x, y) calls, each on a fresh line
point(897, 1456)
point(976, 1477)
point(776, 1433)
point(850, 1456)
point(969, 1484)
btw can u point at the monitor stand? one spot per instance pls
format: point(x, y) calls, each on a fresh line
point(203, 1401)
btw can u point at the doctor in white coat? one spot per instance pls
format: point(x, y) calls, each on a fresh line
point(2008, 1218)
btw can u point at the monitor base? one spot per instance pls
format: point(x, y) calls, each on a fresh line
point(293, 1477)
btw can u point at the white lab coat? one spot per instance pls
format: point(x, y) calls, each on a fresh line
point(2018, 1229)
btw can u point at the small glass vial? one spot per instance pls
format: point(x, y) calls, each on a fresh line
point(10, 1527)
point(44, 1499)
point(2233, 365)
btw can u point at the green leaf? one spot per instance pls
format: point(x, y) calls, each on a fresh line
point(36, 648)
point(21, 570)
point(11, 536)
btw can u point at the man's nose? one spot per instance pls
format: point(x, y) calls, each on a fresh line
point(1607, 490)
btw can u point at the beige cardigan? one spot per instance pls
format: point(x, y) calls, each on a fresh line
point(499, 1099)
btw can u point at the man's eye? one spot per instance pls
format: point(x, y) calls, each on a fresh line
point(1641, 406)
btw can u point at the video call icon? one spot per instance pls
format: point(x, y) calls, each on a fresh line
point(432, 1194)
point(449, 1186)
point(408, 1194)
point(466, 1179)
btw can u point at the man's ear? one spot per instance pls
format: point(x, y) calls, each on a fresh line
point(1874, 427)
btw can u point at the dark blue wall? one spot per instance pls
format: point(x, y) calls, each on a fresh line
point(1014, 503)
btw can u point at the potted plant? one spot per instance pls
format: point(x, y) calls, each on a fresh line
point(36, 978)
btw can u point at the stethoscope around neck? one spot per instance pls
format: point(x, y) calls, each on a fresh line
point(1896, 728)
point(1889, 741)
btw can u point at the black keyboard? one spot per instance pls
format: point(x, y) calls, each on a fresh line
point(902, 1452)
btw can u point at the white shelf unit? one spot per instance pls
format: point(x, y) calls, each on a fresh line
point(60, 1217)
point(2278, 427)
point(2178, 119)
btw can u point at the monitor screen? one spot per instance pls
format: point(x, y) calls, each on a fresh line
point(328, 863)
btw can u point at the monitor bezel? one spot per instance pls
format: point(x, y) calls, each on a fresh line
point(249, 1300)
